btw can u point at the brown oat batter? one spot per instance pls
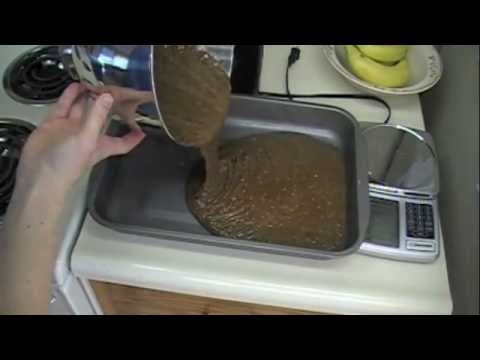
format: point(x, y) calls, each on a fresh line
point(193, 92)
point(280, 188)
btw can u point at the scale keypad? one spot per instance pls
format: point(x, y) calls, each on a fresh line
point(420, 221)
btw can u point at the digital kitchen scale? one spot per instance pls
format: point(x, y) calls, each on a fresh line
point(404, 185)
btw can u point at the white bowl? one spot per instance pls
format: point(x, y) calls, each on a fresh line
point(425, 63)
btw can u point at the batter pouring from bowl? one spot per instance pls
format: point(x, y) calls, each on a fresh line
point(281, 188)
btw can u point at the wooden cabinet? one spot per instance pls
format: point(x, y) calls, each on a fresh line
point(125, 300)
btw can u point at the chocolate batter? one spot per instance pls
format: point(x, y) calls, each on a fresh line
point(280, 188)
point(193, 91)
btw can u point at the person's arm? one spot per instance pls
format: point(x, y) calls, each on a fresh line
point(29, 245)
point(57, 154)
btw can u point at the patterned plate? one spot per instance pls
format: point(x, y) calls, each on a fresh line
point(425, 62)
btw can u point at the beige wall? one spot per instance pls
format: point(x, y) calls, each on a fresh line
point(451, 112)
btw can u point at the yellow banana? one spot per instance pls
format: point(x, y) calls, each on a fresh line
point(375, 73)
point(385, 53)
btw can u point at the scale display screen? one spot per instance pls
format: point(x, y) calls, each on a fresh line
point(384, 228)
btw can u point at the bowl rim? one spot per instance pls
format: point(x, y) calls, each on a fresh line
point(433, 76)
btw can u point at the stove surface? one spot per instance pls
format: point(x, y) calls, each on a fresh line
point(37, 76)
point(13, 135)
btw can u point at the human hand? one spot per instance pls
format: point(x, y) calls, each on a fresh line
point(126, 101)
point(70, 141)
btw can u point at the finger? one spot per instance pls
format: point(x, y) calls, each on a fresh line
point(133, 124)
point(141, 97)
point(79, 108)
point(128, 110)
point(127, 114)
point(98, 115)
point(115, 91)
point(110, 146)
point(124, 94)
point(68, 98)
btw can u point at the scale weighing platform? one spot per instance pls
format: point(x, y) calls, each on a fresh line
point(404, 185)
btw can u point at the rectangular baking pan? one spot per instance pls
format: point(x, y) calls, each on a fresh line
point(143, 193)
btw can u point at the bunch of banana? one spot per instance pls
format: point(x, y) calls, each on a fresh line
point(382, 65)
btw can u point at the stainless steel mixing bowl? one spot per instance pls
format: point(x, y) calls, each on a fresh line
point(128, 69)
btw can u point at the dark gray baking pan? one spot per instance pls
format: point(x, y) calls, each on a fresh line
point(144, 192)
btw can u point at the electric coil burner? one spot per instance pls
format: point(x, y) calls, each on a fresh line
point(13, 135)
point(37, 77)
